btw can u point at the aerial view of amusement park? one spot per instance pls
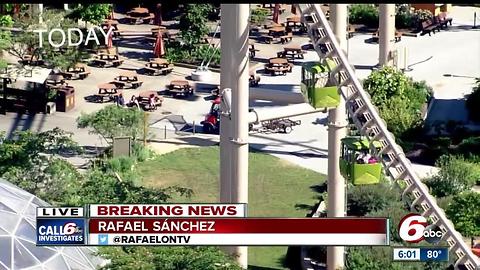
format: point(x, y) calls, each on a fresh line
point(316, 111)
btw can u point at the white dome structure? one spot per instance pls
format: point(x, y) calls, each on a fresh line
point(18, 237)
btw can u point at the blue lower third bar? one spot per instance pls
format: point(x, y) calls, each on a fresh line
point(434, 254)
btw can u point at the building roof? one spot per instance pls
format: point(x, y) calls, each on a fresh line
point(26, 73)
point(18, 236)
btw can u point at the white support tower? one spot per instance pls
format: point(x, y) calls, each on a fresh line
point(234, 176)
point(370, 124)
point(386, 34)
point(336, 131)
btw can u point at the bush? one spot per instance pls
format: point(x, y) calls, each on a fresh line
point(473, 103)
point(399, 99)
point(258, 16)
point(469, 147)
point(366, 14)
point(464, 212)
point(6, 21)
point(366, 199)
point(455, 176)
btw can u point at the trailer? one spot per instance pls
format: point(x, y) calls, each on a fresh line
point(283, 125)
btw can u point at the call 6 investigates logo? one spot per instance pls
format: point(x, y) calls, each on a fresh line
point(414, 228)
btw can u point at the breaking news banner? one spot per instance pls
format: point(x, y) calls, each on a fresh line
point(239, 231)
point(167, 210)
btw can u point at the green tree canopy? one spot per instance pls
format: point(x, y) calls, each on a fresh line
point(464, 212)
point(455, 176)
point(32, 162)
point(398, 98)
point(113, 121)
point(193, 23)
point(167, 258)
point(93, 13)
point(473, 102)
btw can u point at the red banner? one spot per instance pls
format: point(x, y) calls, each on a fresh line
point(239, 225)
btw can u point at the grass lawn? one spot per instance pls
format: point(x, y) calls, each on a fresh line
point(277, 188)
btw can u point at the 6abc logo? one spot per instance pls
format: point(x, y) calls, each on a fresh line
point(414, 228)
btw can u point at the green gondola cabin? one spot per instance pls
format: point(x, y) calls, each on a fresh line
point(356, 163)
point(315, 85)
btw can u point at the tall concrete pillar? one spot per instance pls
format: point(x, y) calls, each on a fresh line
point(235, 22)
point(386, 34)
point(336, 131)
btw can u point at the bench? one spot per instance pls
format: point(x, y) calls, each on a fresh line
point(155, 72)
point(83, 75)
point(136, 84)
point(117, 63)
point(428, 27)
point(398, 36)
point(350, 31)
point(100, 63)
point(253, 51)
point(442, 20)
point(119, 84)
point(275, 70)
point(286, 38)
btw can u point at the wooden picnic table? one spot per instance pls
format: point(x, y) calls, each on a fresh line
point(139, 10)
point(294, 19)
point(277, 31)
point(127, 77)
point(79, 70)
point(294, 51)
point(107, 57)
point(158, 63)
point(179, 84)
point(278, 61)
point(107, 90)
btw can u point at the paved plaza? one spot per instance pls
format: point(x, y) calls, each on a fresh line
point(447, 60)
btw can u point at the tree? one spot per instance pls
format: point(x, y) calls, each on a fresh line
point(113, 121)
point(193, 23)
point(473, 102)
point(167, 258)
point(93, 13)
point(259, 15)
point(31, 161)
point(398, 98)
point(464, 212)
point(455, 176)
point(27, 42)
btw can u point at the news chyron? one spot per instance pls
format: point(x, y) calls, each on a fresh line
point(69, 226)
point(60, 226)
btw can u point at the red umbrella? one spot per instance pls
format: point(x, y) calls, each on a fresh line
point(276, 12)
point(159, 49)
point(110, 37)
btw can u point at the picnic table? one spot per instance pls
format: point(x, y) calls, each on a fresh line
point(78, 71)
point(107, 90)
point(293, 52)
point(102, 59)
point(33, 60)
point(278, 66)
point(376, 35)
point(295, 23)
point(277, 32)
point(181, 87)
point(128, 78)
point(157, 66)
point(139, 15)
point(145, 95)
